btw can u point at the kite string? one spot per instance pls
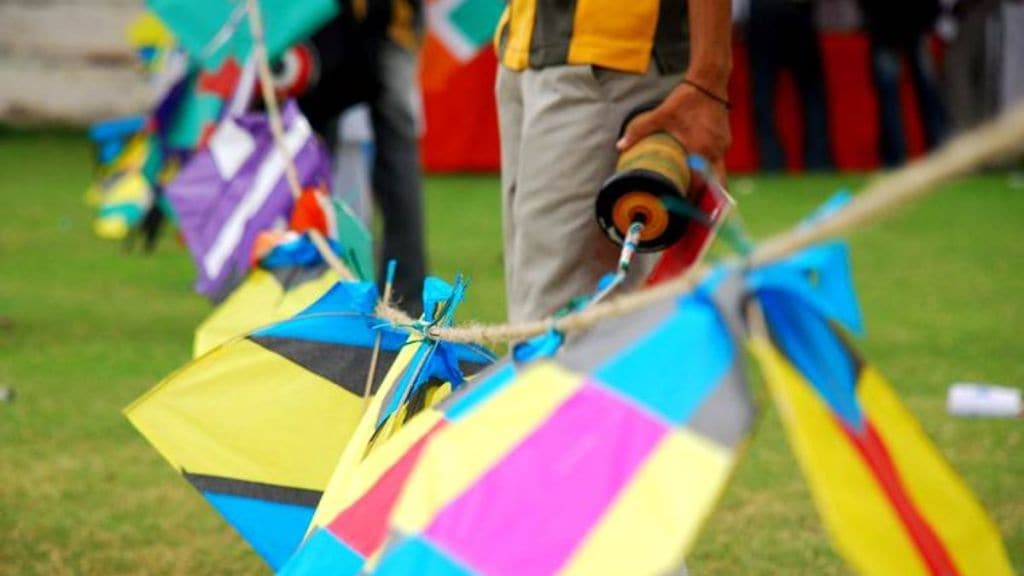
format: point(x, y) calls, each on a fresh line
point(993, 141)
point(327, 253)
point(277, 130)
point(270, 96)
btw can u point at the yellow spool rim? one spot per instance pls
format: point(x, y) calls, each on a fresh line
point(644, 206)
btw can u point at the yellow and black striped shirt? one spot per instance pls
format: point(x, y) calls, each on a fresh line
point(617, 34)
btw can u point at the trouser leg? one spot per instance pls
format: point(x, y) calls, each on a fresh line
point(766, 65)
point(1011, 90)
point(397, 178)
point(351, 169)
point(964, 71)
point(929, 101)
point(885, 69)
point(510, 123)
point(810, 79)
point(571, 116)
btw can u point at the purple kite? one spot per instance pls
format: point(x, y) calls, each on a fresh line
point(236, 188)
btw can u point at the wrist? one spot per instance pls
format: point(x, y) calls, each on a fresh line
point(713, 75)
point(721, 98)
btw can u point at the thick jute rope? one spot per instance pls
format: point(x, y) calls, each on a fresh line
point(997, 140)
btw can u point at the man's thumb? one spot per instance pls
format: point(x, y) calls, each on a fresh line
point(639, 127)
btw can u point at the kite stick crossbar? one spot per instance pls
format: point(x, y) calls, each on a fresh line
point(368, 387)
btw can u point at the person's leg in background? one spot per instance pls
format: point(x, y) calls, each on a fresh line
point(352, 157)
point(885, 70)
point(926, 87)
point(805, 62)
point(764, 47)
point(397, 176)
point(967, 69)
point(1011, 83)
point(569, 121)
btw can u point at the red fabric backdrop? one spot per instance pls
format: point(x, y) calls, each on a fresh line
point(462, 127)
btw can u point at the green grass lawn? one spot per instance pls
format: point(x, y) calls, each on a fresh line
point(92, 328)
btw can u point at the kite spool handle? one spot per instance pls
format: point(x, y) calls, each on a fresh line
point(649, 177)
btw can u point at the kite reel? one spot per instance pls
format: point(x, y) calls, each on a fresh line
point(660, 200)
point(650, 186)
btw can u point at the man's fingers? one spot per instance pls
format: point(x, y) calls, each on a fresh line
point(643, 125)
point(711, 152)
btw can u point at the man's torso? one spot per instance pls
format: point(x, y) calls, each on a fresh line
point(615, 34)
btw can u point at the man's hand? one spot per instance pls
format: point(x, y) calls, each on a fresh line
point(700, 123)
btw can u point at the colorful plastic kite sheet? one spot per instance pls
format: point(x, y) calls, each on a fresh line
point(151, 39)
point(236, 188)
point(127, 161)
point(891, 502)
point(137, 156)
point(212, 31)
point(265, 297)
point(604, 458)
point(112, 136)
point(317, 210)
point(607, 456)
point(465, 27)
point(374, 466)
point(188, 115)
point(457, 31)
point(126, 199)
point(290, 272)
point(258, 424)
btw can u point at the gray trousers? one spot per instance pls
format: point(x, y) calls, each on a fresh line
point(558, 130)
point(970, 68)
point(397, 178)
point(1012, 89)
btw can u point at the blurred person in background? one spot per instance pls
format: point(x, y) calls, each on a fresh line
point(353, 162)
point(368, 55)
point(1011, 80)
point(971, 61)
point(898, 29)
point(782, 36)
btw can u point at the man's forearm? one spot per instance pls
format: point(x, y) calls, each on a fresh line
point(696, 113)
point(710, 44)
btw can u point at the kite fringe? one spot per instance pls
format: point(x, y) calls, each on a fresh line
point(996, 140)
